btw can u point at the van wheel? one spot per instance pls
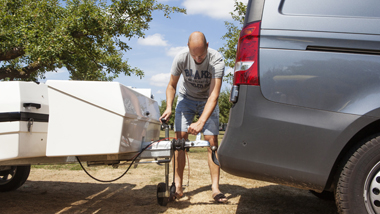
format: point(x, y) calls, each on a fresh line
point(13, 178)
point(358, 186)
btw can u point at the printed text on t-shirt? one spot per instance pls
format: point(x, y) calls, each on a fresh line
point(204, 74)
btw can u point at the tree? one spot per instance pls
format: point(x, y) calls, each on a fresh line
point(232, 37)
point(85, 36)
point(224, 105)
point(229, 53)
point(163, 108)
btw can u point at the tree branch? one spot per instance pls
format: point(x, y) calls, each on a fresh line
point(24, 72)
point(12, 54)
point(77, 34)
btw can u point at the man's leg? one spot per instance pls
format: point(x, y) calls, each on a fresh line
point(214, 169)
point(180, 162)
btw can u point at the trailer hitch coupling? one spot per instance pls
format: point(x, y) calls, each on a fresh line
point(214, 158)
point(179, 144)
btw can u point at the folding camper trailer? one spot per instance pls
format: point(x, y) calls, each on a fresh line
point(67, 121)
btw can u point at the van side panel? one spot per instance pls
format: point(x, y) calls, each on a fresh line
point(327, 62)
point(274, 19)
point(330, 81)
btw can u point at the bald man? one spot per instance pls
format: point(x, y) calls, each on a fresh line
point(202, 69)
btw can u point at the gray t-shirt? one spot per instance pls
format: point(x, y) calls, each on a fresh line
point(196, 80)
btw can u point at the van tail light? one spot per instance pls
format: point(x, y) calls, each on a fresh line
point(247, 55)
point(246, 65)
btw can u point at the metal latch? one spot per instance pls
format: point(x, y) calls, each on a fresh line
point(234, 93)
point(30, 123)
point(29, 105)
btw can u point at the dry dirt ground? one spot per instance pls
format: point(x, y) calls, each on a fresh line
point(72, 191)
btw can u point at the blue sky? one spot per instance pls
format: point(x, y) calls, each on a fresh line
point(154, 54)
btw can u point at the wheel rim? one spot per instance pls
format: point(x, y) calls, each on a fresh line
point(7, 176)
point(372, 190)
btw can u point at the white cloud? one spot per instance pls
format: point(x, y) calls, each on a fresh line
point(160, 79)
point(173, 51)
point(218, 9)
point(153, 40)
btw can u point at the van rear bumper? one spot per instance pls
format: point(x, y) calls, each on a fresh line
point(284, 144)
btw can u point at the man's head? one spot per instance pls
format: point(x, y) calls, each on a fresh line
point(198, 46)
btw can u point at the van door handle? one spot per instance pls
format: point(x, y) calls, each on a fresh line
point(36, 105)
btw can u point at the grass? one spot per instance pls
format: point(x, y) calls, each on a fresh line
point(76, 166)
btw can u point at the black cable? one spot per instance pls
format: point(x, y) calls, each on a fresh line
point(174, 163)
point(133, 160)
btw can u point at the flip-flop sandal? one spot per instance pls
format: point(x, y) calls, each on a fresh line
point(175, 196)
point(220, 198)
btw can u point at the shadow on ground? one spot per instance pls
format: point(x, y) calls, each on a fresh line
point(67, 197)
point(269, 200)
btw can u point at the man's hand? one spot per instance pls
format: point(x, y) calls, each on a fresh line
point(166, 115)
point(196, 127)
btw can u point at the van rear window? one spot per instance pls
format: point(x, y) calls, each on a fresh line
point(343, 8)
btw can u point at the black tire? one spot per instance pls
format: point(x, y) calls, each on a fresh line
point(353, 193)
point(13, 178)
point(161, 189)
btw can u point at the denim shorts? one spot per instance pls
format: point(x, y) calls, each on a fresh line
point(186, 110)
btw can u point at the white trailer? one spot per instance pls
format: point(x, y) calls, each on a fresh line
point(67, 121)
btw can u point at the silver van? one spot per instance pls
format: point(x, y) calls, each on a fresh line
point(306, 97)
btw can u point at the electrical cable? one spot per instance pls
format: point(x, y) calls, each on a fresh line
point(133, 160)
